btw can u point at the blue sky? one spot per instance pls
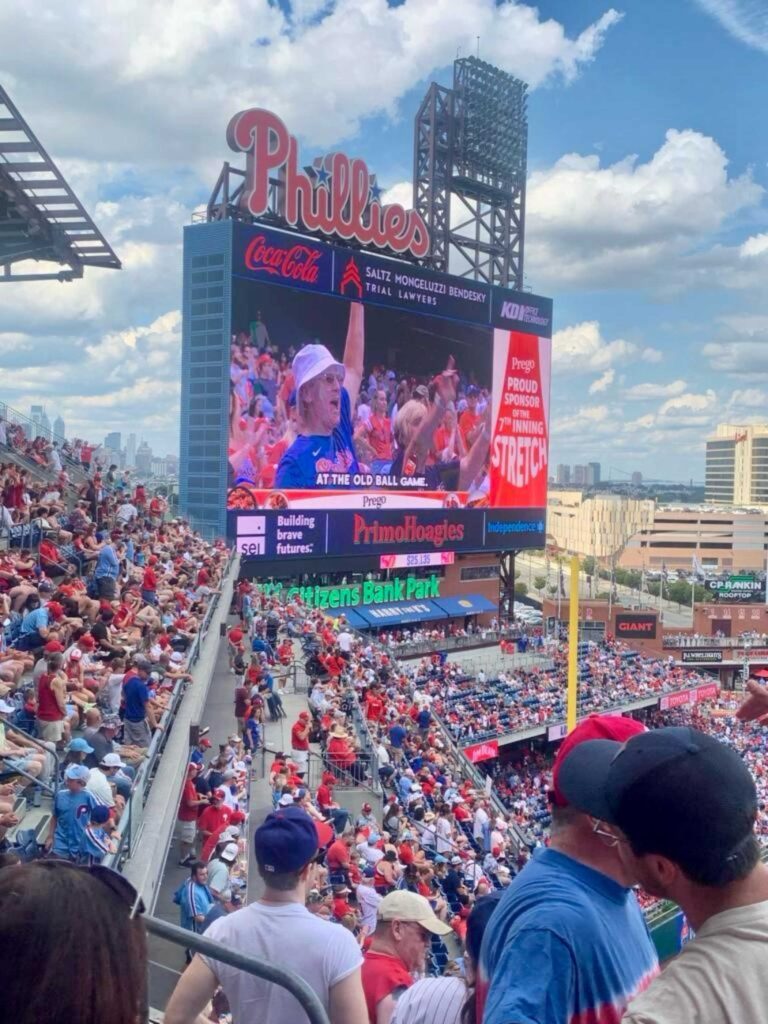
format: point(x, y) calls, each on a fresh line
point(647, 213)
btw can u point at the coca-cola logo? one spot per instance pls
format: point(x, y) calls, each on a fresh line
point(294, 262)
point(337, 196)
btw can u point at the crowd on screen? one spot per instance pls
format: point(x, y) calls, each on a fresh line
point(386, 415)
point(97, 622)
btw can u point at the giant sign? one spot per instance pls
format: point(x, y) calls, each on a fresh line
point(636, 626)
point(377, 407)
point(335, 196)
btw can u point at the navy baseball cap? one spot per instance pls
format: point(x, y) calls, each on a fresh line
point(672, 791)
point(286, 841)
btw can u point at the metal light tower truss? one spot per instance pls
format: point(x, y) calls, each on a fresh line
point(470, 161)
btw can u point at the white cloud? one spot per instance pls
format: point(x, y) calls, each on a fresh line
point(745, 20)
point(689, 402)
point(581, 348)
point(749, 398)
point(161, 80)
point(643, 392)
point(631, 224)
point(651, 355)
point(740, 348)
point(603, 382)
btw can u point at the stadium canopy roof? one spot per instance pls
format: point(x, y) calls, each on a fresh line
point(41, 218)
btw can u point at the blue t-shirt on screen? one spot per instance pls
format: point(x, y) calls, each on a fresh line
point(319, 453)
point(567, 945)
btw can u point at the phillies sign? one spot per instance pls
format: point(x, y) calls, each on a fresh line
point(335, 196)
point(482, 751)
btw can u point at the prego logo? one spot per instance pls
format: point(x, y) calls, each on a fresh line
point(526, 365)
point(336, 195)
point(525, 314)
point(294, 263)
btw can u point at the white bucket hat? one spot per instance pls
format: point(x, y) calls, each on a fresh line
point(312, 360)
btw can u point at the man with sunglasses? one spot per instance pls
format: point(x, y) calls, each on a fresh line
point(326, 395)
point(569, 941)
point(405, 924)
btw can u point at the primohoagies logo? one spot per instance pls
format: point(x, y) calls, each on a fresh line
point(410, 531)
point(524, 314)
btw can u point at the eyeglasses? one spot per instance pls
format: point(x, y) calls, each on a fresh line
point(609, 838)
point(424, 935)
point(329, 378)
point(113, 880)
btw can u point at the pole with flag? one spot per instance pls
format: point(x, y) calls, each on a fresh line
point(662, 581)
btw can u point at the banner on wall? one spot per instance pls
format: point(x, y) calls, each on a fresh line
point(520, 417)
point(482, 751)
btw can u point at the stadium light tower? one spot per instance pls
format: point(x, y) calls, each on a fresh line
point(470, 162)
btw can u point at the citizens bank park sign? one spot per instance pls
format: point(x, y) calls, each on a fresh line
point(337, 195)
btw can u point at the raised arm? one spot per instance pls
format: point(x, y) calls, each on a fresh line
point(354, 352)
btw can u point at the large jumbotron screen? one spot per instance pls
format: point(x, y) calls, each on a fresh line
point(376, 407)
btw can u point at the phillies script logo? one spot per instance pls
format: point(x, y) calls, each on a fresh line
point(482, 751)
point(295, 262)
point(337, 196)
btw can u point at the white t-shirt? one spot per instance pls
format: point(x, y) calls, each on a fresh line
point(218, 875)
point(322, 953)
point(719, 978)
point(113, 688)
point(368, 900)
point(98, 785)
point(431, 1001)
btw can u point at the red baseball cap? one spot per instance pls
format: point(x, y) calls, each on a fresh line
point(86, 640)
point(594, 727)
point(53, 647)
point(56, 610)
point(205, 742)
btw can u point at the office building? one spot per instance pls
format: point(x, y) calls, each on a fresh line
point(114, 441)
point(593, 473)
point(598, 524)
point(636, 479)
point(41, 425)
point(719, 539)
point(144, 459)
point(130, 450)
point(579, 476)
point(58, 427)
point(737, 465)
point(563, 477)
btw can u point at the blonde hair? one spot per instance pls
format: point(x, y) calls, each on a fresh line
point(407, 420)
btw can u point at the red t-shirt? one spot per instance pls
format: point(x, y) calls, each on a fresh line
point(297, 741)
point(235, 636)
point(187, 808)
point(324, 796)
point(213, 819)
point(382, 974)
point(337, 856)
point(150, 579)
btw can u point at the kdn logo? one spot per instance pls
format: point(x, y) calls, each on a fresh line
point(526, 314)
point(251, 535)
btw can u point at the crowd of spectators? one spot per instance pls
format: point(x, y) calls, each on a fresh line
point(94, 641)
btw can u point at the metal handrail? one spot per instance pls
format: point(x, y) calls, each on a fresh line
point(294, 984)
point(36, 743)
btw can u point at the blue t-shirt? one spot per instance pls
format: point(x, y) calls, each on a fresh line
point(397, 735)
point(34, 621)
point(107, 564)
point(320, 453)
point(73, 813)
point(566, 945)
point(136, 695)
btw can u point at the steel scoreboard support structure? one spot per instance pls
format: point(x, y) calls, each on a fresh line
point(470, 157)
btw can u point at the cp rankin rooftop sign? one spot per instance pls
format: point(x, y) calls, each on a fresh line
point(336, 195)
